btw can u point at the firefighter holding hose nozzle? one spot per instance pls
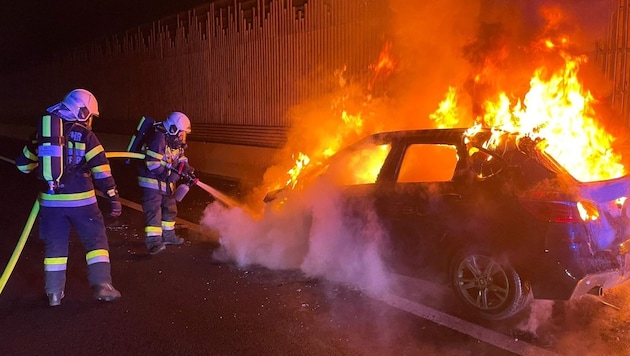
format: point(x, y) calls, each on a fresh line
point(164, 165)
point(71, 160)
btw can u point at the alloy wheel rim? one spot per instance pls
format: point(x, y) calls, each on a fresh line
point(482, 282)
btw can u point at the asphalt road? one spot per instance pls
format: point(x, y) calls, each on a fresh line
point(183, 302)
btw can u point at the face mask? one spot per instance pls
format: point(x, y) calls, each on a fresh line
point(176, 141)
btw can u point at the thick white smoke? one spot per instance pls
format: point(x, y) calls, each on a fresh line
point(311, 232)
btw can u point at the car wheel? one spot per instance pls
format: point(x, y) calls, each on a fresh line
point(488, 286)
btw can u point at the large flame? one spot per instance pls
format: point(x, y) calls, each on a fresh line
point(351, 123)
point(556, 110)
point(559, 110)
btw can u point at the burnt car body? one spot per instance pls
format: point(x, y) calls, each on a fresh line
point(497, 224)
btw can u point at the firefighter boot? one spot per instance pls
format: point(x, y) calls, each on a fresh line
point(106, 292)
point(99, 276)
point(55, 284)
point(170, 238)
point(154, 244)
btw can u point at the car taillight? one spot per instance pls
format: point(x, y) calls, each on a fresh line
point(561, 211)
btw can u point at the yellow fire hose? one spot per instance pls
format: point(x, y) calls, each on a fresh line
point(31, 218)
point(20, 246)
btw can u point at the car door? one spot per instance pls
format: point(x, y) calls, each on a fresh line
point(356, 172)
point(412, 205)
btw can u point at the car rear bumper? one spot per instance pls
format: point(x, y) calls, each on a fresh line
point(596, 283)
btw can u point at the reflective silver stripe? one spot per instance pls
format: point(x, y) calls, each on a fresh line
point(53, 268)
point(101, 175)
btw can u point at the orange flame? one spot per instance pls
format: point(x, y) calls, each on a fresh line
point(300, 163)
point(558, 110)
point(446, 115)
point(350, 124)
point(384, 66)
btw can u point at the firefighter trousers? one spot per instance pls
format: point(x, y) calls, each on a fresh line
point(55, 227)
point(160, 211)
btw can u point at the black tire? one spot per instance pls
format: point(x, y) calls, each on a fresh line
point(488, 286)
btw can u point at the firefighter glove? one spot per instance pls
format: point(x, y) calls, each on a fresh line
point(173, 177)
point(114, 203)
point(116, 208)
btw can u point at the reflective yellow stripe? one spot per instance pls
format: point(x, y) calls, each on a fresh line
point(154, 154)
point(78, 145)
point(168, 225)
point(28, 154)
point(140, 123)
point(153, 231)
point(54, 264)
point(55, 260)
point(102, 168)
point(70, 196)
point(96, 256)
point(46, 126)
point(93, 152)
point(46, 166)
point(28, 168)
point(95, 253)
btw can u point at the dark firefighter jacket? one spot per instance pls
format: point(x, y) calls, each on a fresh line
point(85, 160)
point(162, 163)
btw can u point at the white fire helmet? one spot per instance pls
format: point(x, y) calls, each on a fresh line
point(177, 122)
point(78, 105)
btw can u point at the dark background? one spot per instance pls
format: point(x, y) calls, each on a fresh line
point(31, 30)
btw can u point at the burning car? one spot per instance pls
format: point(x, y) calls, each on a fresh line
point(488, 212)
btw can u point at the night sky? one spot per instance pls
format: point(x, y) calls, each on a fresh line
point(29, 30)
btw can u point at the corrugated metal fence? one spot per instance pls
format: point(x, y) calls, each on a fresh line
point(235, 75)
point(612, 57)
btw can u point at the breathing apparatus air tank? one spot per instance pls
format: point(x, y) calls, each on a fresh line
point(51, 142)
point(137, 140)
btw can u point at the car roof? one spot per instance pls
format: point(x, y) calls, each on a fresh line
point(450, 135)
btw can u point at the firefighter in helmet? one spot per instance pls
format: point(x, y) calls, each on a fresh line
point(164, 165)
point(70, 201)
